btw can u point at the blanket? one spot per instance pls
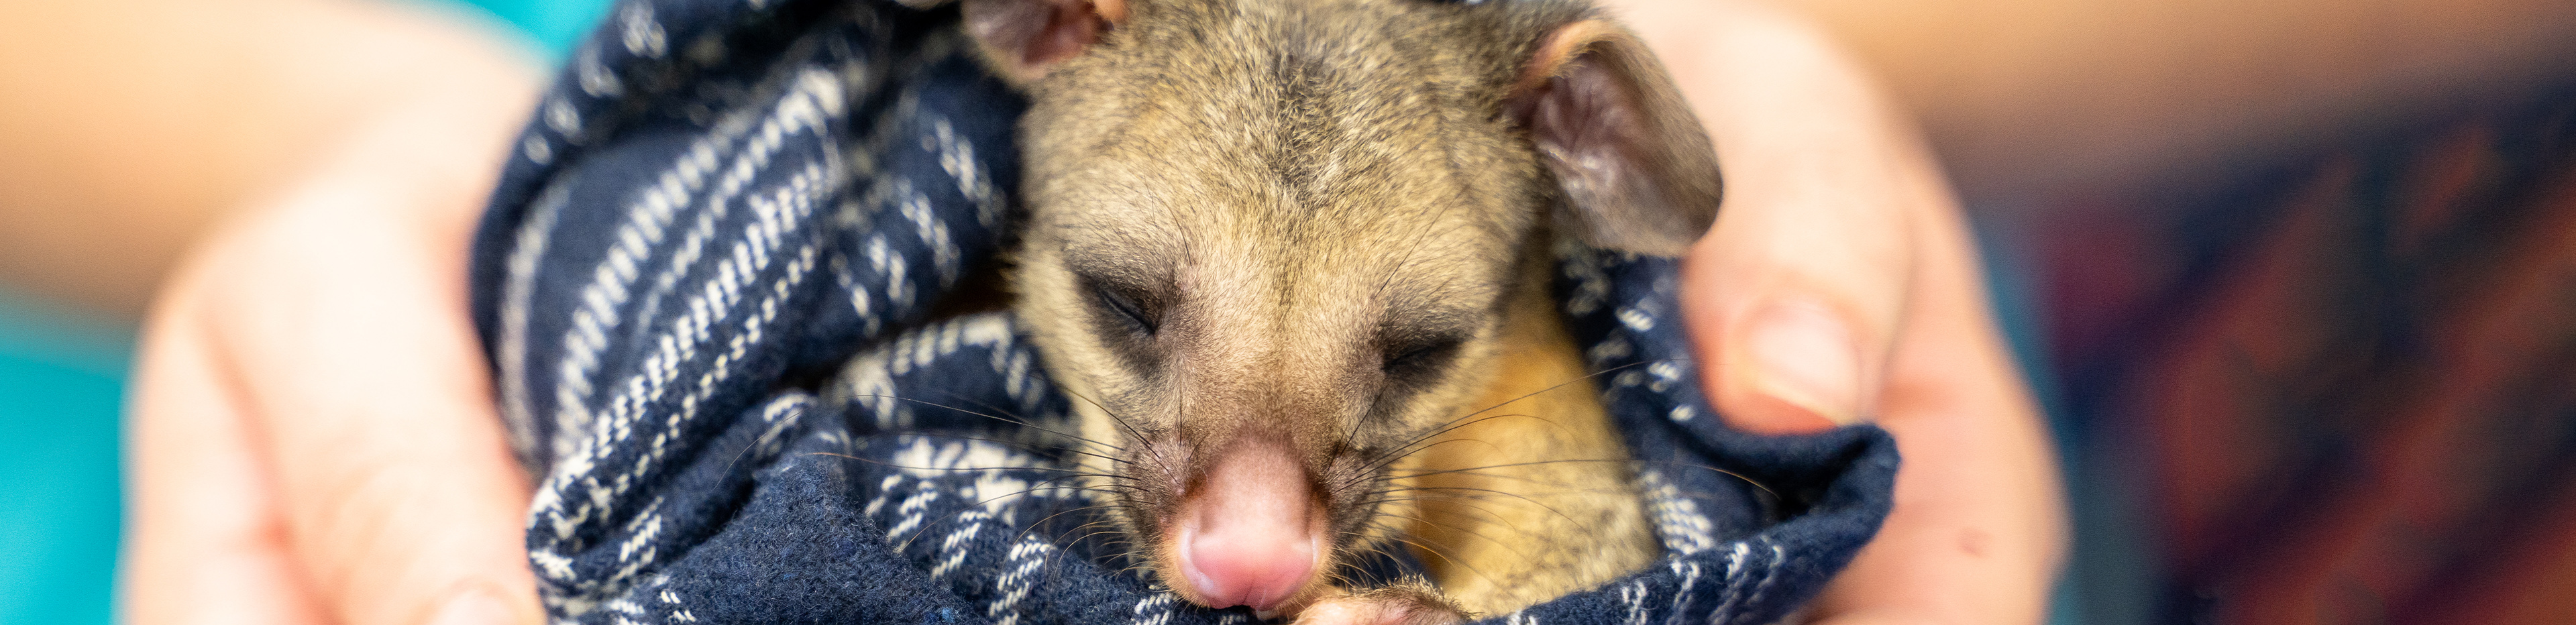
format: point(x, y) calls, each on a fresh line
point(709, 284)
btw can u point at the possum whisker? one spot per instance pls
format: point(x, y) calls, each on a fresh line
point(1748, 481)
point(1019, 422)
point(1446, 555)
point(1382, 470)
point(756, 444)
point(1475, 503)
point(1426, 441)
point(1561, 385)
point(1022, 419)
point(1075, 535)
point(1067, 471)
point(1377, 464)
point(1068, 545)
point(1033, 525)
point(1498, 518)
point(1107, 521)
point(1096, 527)
point(1070, 472)
point(1516, 552)
point(1386, 279)
point(1123, 424)
point(1534, 502)
point(924, 530)
point(1046, 484)
point(1453, 424)
point(1446, 492)
point(1019, 444)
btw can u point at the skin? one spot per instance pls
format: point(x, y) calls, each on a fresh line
point(132, 130)
point(301, 476)
point(281, 470)
point(1976, 533)
point(2018, 93)
point(284, 470)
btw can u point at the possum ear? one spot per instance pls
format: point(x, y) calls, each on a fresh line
point(1022, 38)
point(1637, 171)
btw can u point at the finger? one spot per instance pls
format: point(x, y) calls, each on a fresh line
point(1977, 532)
point(1799, 286)
point(203, 541)
point(346, 316)
point(339, 312)
point(1799, 303)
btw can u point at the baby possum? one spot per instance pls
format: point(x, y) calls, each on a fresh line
point(1292, 256)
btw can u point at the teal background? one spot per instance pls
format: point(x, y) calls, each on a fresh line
point(553, 26)
point(62, 379)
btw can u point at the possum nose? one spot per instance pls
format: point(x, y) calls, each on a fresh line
point(1250, 535)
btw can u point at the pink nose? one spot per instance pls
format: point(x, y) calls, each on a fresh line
point(1249, 536)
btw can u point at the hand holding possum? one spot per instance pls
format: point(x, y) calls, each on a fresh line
point(1840, 284)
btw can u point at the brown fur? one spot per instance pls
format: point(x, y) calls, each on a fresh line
point(1526, 500)
point(1295, 195)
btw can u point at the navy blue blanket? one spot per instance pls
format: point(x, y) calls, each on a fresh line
point(706, 283)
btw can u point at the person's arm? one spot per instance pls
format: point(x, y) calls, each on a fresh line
point(130, 127)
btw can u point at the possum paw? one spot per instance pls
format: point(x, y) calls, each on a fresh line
point(1410, 603)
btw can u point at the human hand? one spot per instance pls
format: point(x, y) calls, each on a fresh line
point(311, 436)
point(1839, 285)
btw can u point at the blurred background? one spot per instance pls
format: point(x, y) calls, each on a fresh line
point(2296, 279)
point(95, 89)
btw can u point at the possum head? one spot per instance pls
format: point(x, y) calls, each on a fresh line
point(1270, 241)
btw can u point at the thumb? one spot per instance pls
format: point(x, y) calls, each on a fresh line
point(316, 364)
point(1797, 291)
point(342, 317)
point(312, 448)
point(1795, 306)
point(347, 336)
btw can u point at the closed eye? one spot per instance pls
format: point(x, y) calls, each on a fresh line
point(1421, 357)
point(1125, 310)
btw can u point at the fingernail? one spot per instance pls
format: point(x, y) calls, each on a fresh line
point(474, 606)
point(1804, 356)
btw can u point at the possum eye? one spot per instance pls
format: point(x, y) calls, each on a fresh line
point(1126, 311)
point(1413, 360)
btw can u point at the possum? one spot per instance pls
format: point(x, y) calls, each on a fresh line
point(1292, 257)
